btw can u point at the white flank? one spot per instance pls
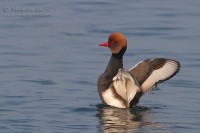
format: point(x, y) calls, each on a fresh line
point(163, 73)
point(125, 85)
point(110, 99)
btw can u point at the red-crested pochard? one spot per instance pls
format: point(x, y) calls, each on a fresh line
point(123, 88)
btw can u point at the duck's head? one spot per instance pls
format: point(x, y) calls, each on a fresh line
point(117, 43)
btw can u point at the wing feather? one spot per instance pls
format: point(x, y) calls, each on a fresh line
point(153, 71)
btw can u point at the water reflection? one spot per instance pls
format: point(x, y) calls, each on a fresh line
point(117, 120)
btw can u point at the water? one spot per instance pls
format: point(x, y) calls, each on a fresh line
point(50, 62)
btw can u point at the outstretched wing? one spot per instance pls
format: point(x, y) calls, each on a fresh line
point(150, 72)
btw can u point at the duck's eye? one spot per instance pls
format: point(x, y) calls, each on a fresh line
point(114, 43)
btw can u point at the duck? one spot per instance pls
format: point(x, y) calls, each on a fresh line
point(122, 88)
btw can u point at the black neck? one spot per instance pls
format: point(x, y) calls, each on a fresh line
point(115, 63)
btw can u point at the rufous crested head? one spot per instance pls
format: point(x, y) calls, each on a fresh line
point(116, 42)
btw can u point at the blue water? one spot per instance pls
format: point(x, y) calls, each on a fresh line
point(50, 62)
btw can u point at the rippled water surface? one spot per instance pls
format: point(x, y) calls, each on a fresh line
point(50, 62)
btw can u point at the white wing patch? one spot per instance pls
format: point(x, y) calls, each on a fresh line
point(169, 68)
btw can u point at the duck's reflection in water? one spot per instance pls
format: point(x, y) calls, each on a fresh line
point(116, 120)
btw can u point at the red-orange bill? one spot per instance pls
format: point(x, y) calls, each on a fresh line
point(104, 44)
